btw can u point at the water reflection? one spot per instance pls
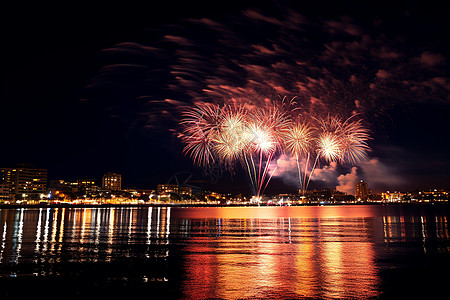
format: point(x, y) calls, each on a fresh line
point(88, 234)
point(422, 227)
point(266, 258)
point(276, 252)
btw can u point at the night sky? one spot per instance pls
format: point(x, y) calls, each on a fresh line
point(89, 88)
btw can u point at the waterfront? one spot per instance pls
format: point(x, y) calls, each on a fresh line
point(225, 252)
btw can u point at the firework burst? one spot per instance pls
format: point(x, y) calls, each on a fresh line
point(231, 139)
point(253, 136)
point(330, 147)
point(355, 138)
point(299, 139)
point(200, 128)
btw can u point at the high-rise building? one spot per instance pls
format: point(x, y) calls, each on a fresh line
point(361, 191)
point(112, 182)
point(87, 185)
point(23, 181)
point(166, 189)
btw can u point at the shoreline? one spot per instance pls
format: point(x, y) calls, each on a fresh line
point(141, 205)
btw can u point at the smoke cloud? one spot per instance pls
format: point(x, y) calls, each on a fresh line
point(379, 176)
point(347, 182)
point(286, 170)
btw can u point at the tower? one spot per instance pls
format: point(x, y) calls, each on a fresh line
point(361, 191)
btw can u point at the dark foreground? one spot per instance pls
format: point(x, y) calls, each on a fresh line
point(225, 253)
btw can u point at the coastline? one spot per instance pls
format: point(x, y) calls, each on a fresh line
point(141, 205)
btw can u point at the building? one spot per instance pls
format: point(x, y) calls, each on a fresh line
point(112, 182)
point(166, 189)
point(23, 182)
point(393, 196)
point(87, 186)
point(64, 186)
point(327, 195)
point(361, 191)
point(185, 191)
point(4, 191)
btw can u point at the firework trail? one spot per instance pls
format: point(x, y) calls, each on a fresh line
point(340, 141)
point(267, 130)
point(355, 138)
point(229, 134)
point(253, 136)
point(299, 141)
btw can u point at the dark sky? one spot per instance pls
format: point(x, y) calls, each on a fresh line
point(94, 88)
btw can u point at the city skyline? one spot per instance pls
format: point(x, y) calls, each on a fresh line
point(86, 97)
point(25, 184)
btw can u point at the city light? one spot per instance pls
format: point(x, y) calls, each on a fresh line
point(87, 192)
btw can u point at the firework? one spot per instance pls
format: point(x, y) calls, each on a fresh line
point(261, 138)
point(262, 146)
point(298, 142)
point(268, 131)
point(354, 144)
point(231, 134)
point(299, 139)
point(231, 139)
point(200, 126)
point(344, 141)
point(330, 147)
point(331, 124)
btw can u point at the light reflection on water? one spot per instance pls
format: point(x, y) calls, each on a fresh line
point(228, 253)
point(283, 256)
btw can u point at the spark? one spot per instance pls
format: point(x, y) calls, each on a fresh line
point(253, 136)
point(355, 138)
point(299, 139)
point(329, 147)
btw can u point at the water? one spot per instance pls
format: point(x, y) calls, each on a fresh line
point(225, 253)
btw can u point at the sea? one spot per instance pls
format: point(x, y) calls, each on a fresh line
point(301, 252)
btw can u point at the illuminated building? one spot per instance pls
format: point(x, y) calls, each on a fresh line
point(112, 182)
point(361, 191)
point(23, 182)
point(433, 195)
point(326, 195)
point(87, 185)
point(64, 185)
point(166, 189)
point(185, 190)
point(4, 191)
point(173, 192)
point(392, 196)
point(374, 197)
